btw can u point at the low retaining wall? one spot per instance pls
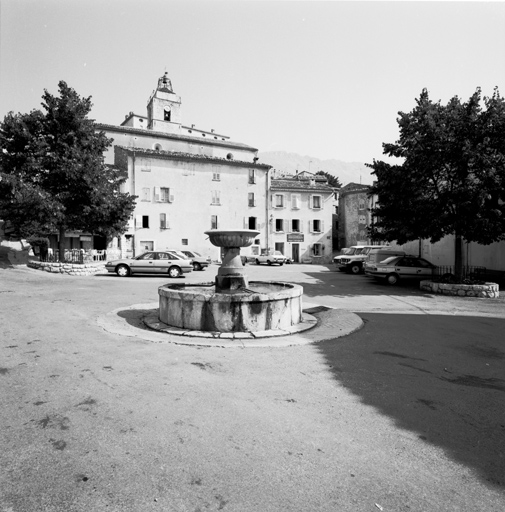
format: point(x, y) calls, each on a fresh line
point(72, 269)
point(488, 290)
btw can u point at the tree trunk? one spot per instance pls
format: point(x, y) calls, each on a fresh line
point(458, 256)
point(61, 244)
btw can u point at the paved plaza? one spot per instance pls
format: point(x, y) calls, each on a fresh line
point(403, 413)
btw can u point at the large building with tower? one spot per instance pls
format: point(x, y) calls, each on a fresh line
point(187, 180)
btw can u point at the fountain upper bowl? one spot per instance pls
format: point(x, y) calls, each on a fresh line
point(232, 238)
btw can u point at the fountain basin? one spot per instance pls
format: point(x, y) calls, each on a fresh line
point(263, 306)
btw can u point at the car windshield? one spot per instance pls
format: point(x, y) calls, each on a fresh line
point(179, 255)
point(278, 253)
point(146, 256)
point(361, 250)
point(389, 260)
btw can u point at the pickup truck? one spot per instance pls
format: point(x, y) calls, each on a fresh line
point(271, 258)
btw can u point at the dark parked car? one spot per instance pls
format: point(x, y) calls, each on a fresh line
point(152, 262)
point(398, 268)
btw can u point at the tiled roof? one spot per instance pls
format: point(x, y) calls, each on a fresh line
point(186, 138)
point(178, 155)
point(304, 184)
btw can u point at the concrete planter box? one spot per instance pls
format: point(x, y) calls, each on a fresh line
point(486, 290)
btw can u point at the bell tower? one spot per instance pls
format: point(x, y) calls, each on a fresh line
point(164, 108)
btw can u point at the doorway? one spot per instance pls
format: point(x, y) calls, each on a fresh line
point(295, 253)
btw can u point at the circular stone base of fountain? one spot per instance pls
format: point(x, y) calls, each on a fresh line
point(262, 307)
point(141, 321)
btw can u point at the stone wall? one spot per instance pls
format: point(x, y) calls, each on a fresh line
point(488, 290)
point(72, 269)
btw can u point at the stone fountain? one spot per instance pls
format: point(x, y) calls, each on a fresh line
point(232, 304)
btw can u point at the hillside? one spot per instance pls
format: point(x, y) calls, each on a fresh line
point(291, 162)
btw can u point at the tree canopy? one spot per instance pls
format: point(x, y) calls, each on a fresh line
point(451, 174)
point(333, 181)
point(52, 172)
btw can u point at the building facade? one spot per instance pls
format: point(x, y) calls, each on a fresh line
point(353, 215)
point(300, 221)
point(187, 181)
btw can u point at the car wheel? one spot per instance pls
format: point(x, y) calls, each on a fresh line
point(122, 271)
point(355, 269)
point(174, 272)
point(257, 262)
point(196, 265)
point(269, 262)
point(392, 279)
point(280, 264)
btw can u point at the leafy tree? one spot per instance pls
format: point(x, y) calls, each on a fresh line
point(451, 179)
point(333, 181)
point(52, 172)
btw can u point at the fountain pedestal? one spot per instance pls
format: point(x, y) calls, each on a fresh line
point(231, 275)
point(234, 305)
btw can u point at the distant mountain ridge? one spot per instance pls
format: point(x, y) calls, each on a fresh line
point(289, 163)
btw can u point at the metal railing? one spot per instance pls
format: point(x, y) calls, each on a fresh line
point(80, 256)
point(468, 272)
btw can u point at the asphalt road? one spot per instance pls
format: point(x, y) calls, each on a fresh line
point(406, 414)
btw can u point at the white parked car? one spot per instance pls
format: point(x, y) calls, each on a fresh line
point(273, 257)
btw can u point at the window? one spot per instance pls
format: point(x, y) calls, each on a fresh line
point(296, 200)
point(316, 202)
point(279, 225)
point(317, 226)
point(252, 176)
point(213, 222)
point(167, 114)
point(145, 163)
point(216, 197)
point(164, 221)
point(146, 194)
point(278, 201)
point(361, 204)
point(295, 226)
point(162, 195)
point(147, 245)
point(252, 223)
point(141, 221)
point(317, 249)
point(216, 176)
point(362, 219)
point(251, 199)
point(184, 241)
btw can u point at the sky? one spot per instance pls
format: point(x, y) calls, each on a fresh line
point(319, 78)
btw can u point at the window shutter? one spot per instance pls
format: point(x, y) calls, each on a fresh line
point(170, 198)
point(157, 194)
point(311, 201)
point(138, 221)
point(286, 226)
point(246, 223)
point(300, 223)
point(321, 223)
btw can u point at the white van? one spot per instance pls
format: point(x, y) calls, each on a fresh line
point(353, 261)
